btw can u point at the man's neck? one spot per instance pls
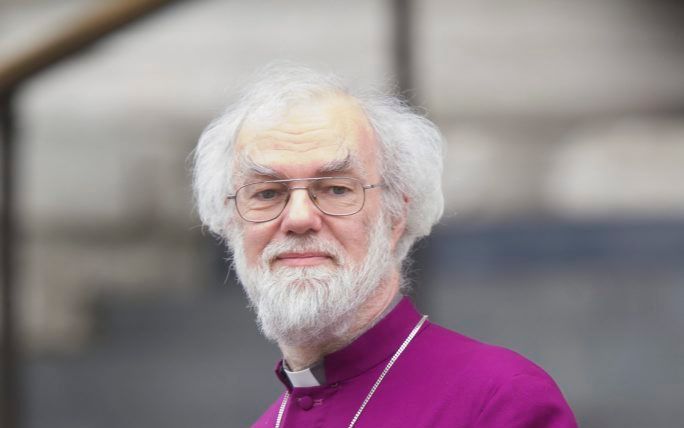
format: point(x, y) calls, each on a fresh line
point(301, 357)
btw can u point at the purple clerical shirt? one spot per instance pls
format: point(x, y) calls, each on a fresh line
point(442, 379)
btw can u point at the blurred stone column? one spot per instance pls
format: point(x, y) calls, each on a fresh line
point(9, 398)
point(403, 46)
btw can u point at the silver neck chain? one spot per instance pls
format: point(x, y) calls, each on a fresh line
point(389, 365)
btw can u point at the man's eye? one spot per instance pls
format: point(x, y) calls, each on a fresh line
point(266, 195)
point(338, 190)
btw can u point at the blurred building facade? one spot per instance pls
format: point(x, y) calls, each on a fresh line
point(564, 120)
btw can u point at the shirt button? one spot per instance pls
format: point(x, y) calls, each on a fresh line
point(305, 402)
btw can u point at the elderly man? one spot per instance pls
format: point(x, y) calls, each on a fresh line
point(320, 194)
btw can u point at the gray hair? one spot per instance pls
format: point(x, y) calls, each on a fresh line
point(410, 149)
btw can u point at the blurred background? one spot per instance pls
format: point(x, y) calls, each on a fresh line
point(563, 237)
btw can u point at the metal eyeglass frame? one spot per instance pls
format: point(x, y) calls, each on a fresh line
point(312, 196)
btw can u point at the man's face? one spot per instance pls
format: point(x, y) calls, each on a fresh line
point(301, 144)
point(307, 273)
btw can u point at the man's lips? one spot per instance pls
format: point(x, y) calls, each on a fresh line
point(303, 259)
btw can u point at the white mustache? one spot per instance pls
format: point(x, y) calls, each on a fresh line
point(309, 244)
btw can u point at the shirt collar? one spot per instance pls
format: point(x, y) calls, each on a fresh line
point(371, 348)
point(310, 376)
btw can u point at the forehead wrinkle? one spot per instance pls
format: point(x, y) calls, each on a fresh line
point(287, 138)
point(336, 130)
point(301, 142)
point(332, 118)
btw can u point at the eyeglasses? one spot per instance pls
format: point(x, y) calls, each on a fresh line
point(336, 196)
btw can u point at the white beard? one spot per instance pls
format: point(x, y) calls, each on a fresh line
point(306, 305)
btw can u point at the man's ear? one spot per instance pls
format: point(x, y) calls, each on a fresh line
point(399, 223)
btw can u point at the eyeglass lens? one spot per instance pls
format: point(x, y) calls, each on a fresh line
point(266, 200)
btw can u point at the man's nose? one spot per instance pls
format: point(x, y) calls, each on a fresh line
point(300, 215)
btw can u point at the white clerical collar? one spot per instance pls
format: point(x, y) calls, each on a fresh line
point(305, 378)
point(315, 375)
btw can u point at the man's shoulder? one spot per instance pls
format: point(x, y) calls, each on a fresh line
point(456, 352)
point(494, 384)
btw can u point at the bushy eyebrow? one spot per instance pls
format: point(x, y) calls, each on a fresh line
point(250, 167)
point(345, 164)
